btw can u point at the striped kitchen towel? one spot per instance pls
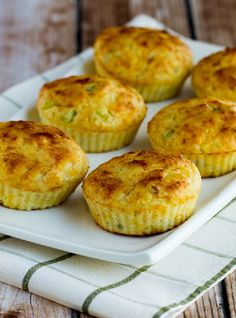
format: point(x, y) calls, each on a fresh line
point(106, 289)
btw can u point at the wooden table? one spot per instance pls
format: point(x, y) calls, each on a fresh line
point(38, 34)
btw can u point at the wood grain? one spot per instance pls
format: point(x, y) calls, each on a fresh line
point(101, 14)
point(215, 21)
point(230, 286)
point(34, 35)
point(171, 12)
point(17, 303)
point(210, 305)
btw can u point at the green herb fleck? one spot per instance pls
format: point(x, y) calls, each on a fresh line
point(120, 226)
point(90, 88)
point(48, 104)
point(169, 133)
point(102, 115)
point(218, 110)
point(69, 116)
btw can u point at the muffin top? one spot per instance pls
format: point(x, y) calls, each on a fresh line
point(90, 103)
point(142, 55)
point(215, 75)
point(141, 180)
point(195, 126)
point(36, 157)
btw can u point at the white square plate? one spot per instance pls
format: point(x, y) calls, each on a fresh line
point(69, 227)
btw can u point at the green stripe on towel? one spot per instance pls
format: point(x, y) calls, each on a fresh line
point(94, 294)
point(204, 250)
point(33, 269)
point(198, 291)
point(162, 276)
point(226, 219)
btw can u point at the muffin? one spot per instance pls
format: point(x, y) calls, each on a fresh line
point(153, 61)
point(201, 129)
point(39, 165)
point(101, 114)
point(142, 192)
point(215, 75)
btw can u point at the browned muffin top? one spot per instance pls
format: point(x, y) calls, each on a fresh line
point(143, 179)
point(36, 157)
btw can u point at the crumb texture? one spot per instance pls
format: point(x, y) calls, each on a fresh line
point(38, 158)
point(141, 180)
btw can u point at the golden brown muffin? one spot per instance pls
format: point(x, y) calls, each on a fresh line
point(201, 129)
point(39, 165)
point(215, 75)
point(142, 192)
point(101, 114)
point(153, 61)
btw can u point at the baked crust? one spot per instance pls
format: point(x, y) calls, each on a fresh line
point(142, 56)
point(195, 126)
point(215, 75)
point(90, 103)
point(39, 158)
point(143, 181)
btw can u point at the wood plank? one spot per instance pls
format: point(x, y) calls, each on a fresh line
point(215, 21)
point(85, 316)
point(17, 303)
point(31, 34)
point(101, 14)
point(210, 305)
point(230, 286)
point(171, 12)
